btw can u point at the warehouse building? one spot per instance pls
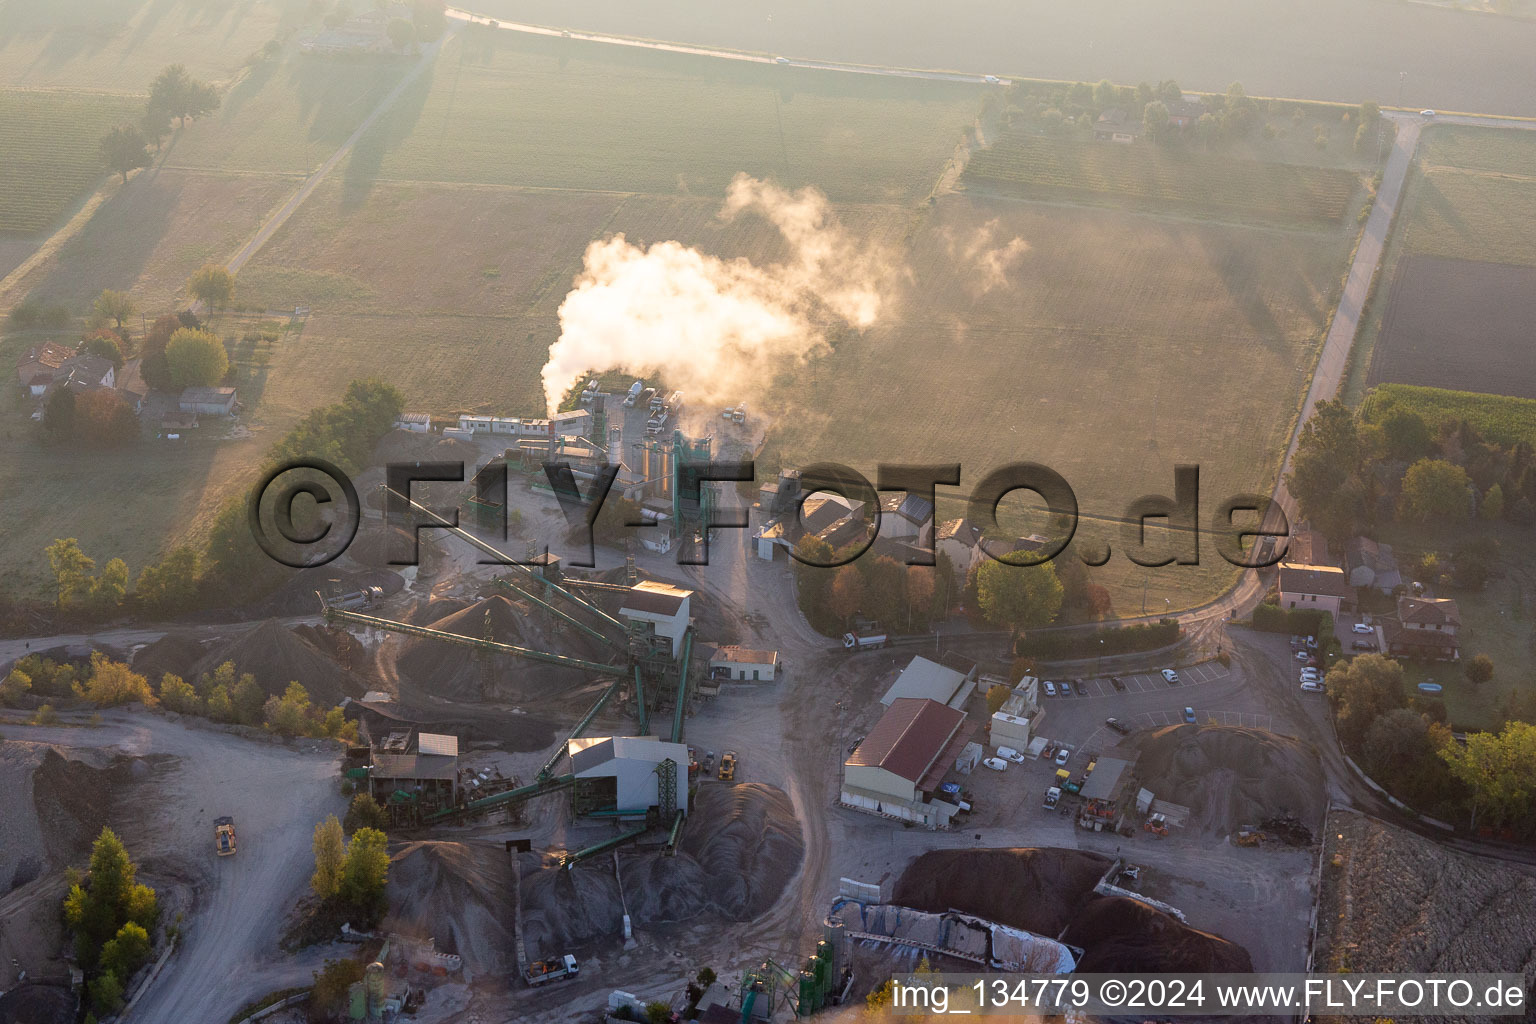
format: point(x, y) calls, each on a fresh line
point(896, 769)
point(742, 663)
point(423, 774)
point(950, 681)
point(627, 773)
point(661, 607)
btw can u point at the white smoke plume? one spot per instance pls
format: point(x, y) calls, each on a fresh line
point(982, 255)
point(718, 328)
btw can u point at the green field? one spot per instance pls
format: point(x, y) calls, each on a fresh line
point(52, 147)
point(1143, 176)
point(1471, 195)
point(1498, 418)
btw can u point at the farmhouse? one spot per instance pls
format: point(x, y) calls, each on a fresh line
point(904, 516)
point(208, 401)
point(895, 770)
point(1425, 628)
point(1372, 565)
point(36, 367)
point(1115, 125)
point(957, 539)
point(1184, 112)
point(1321, 587)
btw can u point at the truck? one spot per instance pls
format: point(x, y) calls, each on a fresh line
point(727, 766)
point(556, 968)
point(1052, 798)
point(657, 423)
point(224, 836)
point(634, 393)
point(739, 414)
point(864, 641)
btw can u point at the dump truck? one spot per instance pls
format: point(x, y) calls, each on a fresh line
point(727, 766)
point(556, 968)
point(224, 836)
point(864, 641)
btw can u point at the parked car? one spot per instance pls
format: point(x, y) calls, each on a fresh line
point(997, 764)
point(1312, 686)
point(1171, 676)
point(1063, 755)
point(709, 762)
point(1303, 654)
point(1050, 688)
point(1116, 683)
point(1117, 725)
point(1312, 642)
point(1298, 641)
point(1189, 715)
point(1009, 754)
point(1361, 627)
point(1363, 645)
point(1077, 684)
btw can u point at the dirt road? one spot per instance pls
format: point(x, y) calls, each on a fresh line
point(275, 793)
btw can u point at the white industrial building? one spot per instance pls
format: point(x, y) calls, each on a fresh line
point(621, 772)
point(663, 606)
point(743, 663)
point(897, 768)
point(950, 683)
point(1018, 719)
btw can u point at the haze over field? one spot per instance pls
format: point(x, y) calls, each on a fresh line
point(1309, 49)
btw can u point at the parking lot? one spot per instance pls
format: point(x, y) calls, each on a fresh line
point(1207, 672)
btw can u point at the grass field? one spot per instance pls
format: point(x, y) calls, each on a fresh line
point(1498, 418)
point(1141, 176)
point(1470, 196)
point(508, 109)
point(52, 146)
point(120, 45)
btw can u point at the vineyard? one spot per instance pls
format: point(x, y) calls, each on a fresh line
point(1152, 177)
point(1499, 418)
point(51, 142)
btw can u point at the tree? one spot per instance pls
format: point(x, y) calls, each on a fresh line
point(1018, 597)
point(212, 285)
point(110, 587)
point(1370, 112)
point(1327, 455)
point(401, 33)
point(249, 699)
point(118, 307)
point(178, 695)
point(59, 413)
point(292, 714)
point(153, 366)
point(124, 149)
point(1435, 489)
point(1479, 670)
point(113, 682)
point(14, 686)
point(365, 874)
point(105, 344)
point(1104, 94)
point(96, 908)
point(1493, 503)
point(126, 952)
point(179, 95)
point(71, 569)
point(104, 418)
point(1395, 743)
point(365, 812)
point(220, 707)
point(919, 588)
point(330, 857)
point(996, 697)
point(196, 358)
point(156, 124)
point(170, 586)
point(1362, 690)
point(1475, 562)
point(1406, 435)
point(846, 595)
point(1499, 771)
point(106, 993)
point(1155, 119)
point(1169, 91)
point(328, 997)
point(657, 1012)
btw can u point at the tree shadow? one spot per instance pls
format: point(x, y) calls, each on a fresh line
point(393, 128)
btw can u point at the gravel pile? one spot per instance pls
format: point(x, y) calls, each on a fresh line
point(55, 807)
point(1121, 935)
point(459, 894)
point(1034, 889)
point(276, 655)
point(1229, 777)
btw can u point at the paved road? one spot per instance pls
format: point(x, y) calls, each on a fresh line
point(725, 54)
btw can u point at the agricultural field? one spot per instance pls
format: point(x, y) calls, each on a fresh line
point(121, 45)
point(1027, 165)
point(52, 146)
point(149, 237)
point(1470, 198)
point(1499, 418)
point(508, 109)
point(1461, 325)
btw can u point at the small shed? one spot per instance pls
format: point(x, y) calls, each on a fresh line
point(969, 758)
point(208, 401)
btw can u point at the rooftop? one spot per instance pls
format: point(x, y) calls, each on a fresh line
point(908, 738)
point(1428, 611)
point(654, 598)
point(1322, 580)
point(929, 680)
point(744, 655)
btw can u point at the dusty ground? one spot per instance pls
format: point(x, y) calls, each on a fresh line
point(233, 908)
